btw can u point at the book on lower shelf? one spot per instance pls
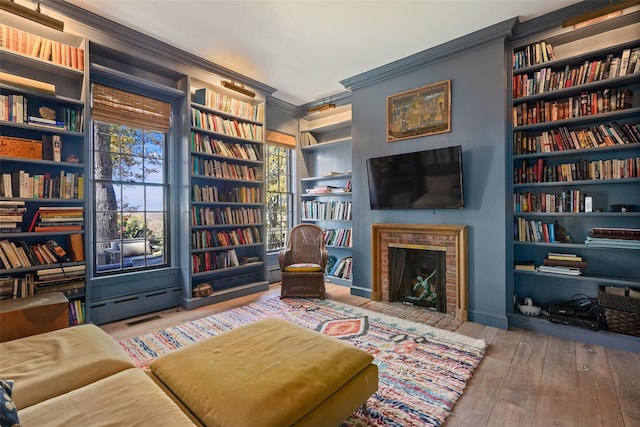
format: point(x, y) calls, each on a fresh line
point(527, 265)
point(560, 270)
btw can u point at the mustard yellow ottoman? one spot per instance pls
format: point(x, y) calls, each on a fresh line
point(270, 373)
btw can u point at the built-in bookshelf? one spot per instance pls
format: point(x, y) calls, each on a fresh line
point(325, 186)
point(575, 160)
point(227, 226)
point(42, 149)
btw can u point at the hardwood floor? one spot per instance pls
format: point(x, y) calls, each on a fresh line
point(525, 378)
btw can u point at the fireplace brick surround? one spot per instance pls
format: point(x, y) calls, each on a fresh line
point(451, 237)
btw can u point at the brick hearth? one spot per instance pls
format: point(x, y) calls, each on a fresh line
point(451, 237)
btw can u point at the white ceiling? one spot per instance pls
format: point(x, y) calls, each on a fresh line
point(304, 48)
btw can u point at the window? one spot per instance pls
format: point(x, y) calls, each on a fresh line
point(130, 185)
point(279, 195)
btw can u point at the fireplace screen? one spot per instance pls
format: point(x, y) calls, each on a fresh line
point(417, 276)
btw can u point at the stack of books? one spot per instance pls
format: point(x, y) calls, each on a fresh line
point(11, 215)
point(609, 237)
point(58, 218)
point(563, 263)
point(69, 280)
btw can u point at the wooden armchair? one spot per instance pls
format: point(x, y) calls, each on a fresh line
point(303, 262)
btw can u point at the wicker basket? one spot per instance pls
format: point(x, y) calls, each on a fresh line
point(622, 313)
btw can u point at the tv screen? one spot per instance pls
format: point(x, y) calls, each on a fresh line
point(430, 179)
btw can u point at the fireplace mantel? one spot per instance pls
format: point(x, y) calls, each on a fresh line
point(454, 237)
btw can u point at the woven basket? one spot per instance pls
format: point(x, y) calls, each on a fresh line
point(622, 313)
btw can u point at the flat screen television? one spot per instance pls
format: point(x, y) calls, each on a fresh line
point(429, 179)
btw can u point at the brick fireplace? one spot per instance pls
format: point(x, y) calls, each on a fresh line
point(450, 238)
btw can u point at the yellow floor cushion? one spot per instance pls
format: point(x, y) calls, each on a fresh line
point(47, 365)
point(271, 372)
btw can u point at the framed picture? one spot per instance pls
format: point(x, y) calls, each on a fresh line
point(419, 112)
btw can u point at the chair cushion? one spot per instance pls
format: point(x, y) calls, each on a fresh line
point(305, 266)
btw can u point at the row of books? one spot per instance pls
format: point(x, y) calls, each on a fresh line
point(210, 193)
point(547, 79)
point(76, 312)
point(534, 231)
point(532, 54)
point(11, 215)
point(329, 189)
point(585, 104)
point(338, 237)
point(215, 123)
point(16, 108)
point(42, 48)
point(218, 169)
point(207, 144)
point(63, 185)
point(339, 211)
point(58, 218)
point(225, 216)
point(614, 237)
point(307, 139)
point(205, 239)
point(20, 287)
point(208, 261)
point(538, 170)
point(228, 104)
point(341, 268)
point(562, 139)
point(565, 201)
point(17, 254)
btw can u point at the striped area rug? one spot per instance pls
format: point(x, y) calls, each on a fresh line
point(422, 370)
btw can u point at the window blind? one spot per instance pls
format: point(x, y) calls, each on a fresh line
point(126, 108)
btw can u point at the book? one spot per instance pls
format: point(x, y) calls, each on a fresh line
point(52, 148)
point(527, 265)
point(76, 247)
point(563, 256)
point(10, 254)
point(624, 62)
point(564, 263)
point(560, 270)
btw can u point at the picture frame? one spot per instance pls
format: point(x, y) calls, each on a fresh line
point(419, 112)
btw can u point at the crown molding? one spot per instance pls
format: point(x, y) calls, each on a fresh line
point(428, 56)
point(280, 105)
point(136, 40)
point(553, 20)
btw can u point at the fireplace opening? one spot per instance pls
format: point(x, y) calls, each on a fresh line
point(417, 275)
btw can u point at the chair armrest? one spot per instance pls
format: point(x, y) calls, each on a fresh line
point(284, 258)
point(112, 256)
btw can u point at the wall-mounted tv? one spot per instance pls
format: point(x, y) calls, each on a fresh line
point(429, 179)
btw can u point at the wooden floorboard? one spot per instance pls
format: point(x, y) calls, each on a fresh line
point(524, 379)
point(557, 403)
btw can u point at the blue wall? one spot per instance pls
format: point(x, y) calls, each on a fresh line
point(478, 123)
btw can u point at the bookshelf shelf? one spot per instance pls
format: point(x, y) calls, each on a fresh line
point(324, 145)
point(596, 278)
point(225, 152)
point(600, 143)
point(48, 89)
point(327, 163)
